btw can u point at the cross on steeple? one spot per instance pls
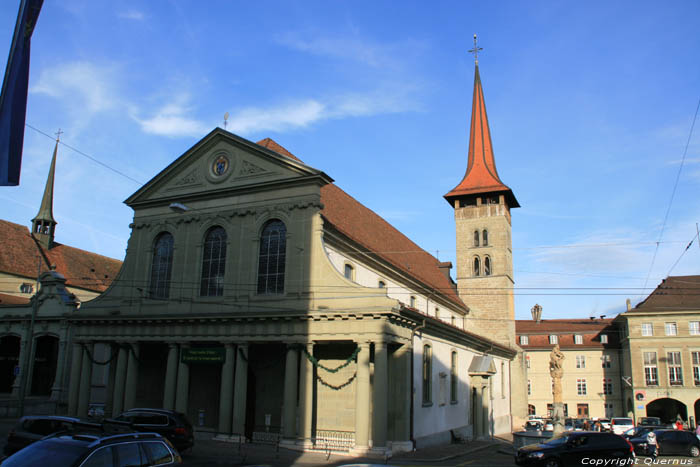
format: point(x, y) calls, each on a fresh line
point(475, 51)
point(58, 135)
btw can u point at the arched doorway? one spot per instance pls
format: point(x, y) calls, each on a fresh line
point(9, 358)
point(45, 356)
point(667, 409)
point(697, 412)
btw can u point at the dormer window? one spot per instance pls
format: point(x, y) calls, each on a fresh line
point(476, 238)
point(349, 272)
point(603, 338)
point(578, 339)
point(26, 288)
point(553, 339)
point(524, 340)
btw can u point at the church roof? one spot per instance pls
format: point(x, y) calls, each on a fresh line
point(364, 226)
point(481, 175)
point(82, 269)
point(46, 209)
point(675, 293)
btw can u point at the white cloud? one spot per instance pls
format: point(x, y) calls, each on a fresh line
point(132, 15)
point(172, 120)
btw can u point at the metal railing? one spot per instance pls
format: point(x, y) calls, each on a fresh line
point(333, 440)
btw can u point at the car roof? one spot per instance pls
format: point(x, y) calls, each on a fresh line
point(49, 417)
point(92, 439)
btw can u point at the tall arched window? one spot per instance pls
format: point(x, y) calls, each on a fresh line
point(476, 238)
point(271, 264)
point(487, 266)
point(453, 376)
point(162, 266)
point(477, 266)
point(213, 263)
point(485, 237)
point(427, 373)
point(349, 272)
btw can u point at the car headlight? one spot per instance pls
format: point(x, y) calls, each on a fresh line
point(536, 455)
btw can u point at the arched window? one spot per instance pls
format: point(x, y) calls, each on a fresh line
point(477, 266)
point(476, 238)
point(453, 377)
point(349, 272)
point(487, 266)
point(485, 237)
point(427, 373)
point(413, 301)
point(213, 263)
point(381, 284)
point(272, 259)
point(162, 266)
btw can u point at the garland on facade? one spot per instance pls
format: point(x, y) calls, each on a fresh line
point(339, 387)
point(96, 362)
point(318, 364)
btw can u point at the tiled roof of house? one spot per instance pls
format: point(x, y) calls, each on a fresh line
point(675, 293)
point(565, 329)
point(11, 300)
point(364, 226)
point(82, 269)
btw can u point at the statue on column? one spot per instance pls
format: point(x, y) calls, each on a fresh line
point(556, 370)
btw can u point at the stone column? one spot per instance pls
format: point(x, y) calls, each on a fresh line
point(23, 348)
point(226, 394)
point(183, 384)
point(120, 380)
point(132, 376)
point(306, 394)
point(362, 397)
point(380, 394)
point(170, 377)
point(240, 390)
point(109, 396)
point(404, 385)
point(74, 384)
point(57, 387)
point(85, 381)
point(289, 425)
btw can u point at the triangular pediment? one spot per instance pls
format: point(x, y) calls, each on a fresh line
point(222, 162)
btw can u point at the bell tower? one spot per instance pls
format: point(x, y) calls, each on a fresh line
point(482, 205)
point(44, 224)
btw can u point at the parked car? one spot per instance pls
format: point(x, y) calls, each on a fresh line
point(637, 432)
point(619, 425)
point(548, 425)
point(572, 447)
point(32, 428)
point(534, 425)
point(95, 450)
point(670, 442)
point(171, 424)
point(649, 421)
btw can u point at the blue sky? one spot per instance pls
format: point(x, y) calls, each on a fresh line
point(590, 106)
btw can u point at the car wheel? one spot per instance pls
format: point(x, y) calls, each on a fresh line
point(694, 451)
point(552, 463)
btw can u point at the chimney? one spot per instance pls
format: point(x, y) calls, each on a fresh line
point(536, 313)
point(629, 304)
point(445, 267)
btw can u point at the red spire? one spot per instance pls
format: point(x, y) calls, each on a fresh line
point(481, 176)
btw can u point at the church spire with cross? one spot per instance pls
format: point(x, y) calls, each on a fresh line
point(44, 224)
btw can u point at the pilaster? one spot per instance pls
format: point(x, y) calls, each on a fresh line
point(170, 377)
point(240, 390)
point(380, 394)
point(290, 392)
point(363, 398)
point(306, 395)
point(74, 384)
point(226, 394)
point(85, 381)
point(183, 384)
point(132, 374)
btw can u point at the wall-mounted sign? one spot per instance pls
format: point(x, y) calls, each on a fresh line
point(203, 355)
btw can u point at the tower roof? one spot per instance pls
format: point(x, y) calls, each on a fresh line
point(46, 209)
point(481, 176)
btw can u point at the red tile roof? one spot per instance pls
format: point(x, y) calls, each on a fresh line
point(590, 330)
point(364, 226)
point(82, 269)
point(675, 293)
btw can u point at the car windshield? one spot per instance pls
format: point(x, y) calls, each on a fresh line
point(559, 440)
point(46, 452)
point(623, 421)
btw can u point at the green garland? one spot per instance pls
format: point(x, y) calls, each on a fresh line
point(339, 387)
point(318, 364)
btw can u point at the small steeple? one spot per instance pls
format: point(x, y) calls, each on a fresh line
point(44, 225)
point(481, 176)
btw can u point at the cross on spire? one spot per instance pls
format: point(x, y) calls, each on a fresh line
point(475, 51)
point(58, 135)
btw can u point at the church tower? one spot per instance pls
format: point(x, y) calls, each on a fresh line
point(482, 204)
point(44, 225)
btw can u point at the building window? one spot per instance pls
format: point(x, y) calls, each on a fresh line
point(453, 377)
point(213, 263)
point(580, 361)
point(607, 386)
point(608, 407)
point(651, 372)
point(578, 339)
point(349, 272)
point(694, 328)
point(675, 372)
point(272, 259)
point(603, 338)
point(427, 373)
point(582, 410)
point(606, 361)
point(162, 266)
point(671, 329)
point(550, 410)
point(581, 387)
point(487, 266)
point(553, 339)
point(531, 409)
point(382, 284)
point(696, 367)
point(524, 340)
point(476, 238)
point(485, 237)
point(477, 267)
point(647, 329)
point(412, 301)
point(26, 288)
point(453, 321)
point(529, 387)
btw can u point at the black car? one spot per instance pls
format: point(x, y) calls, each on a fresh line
point(650, 421)
point(574, 448)
point(637, 432)
point(94, 450)
point(32, 428)
point(172, 425)
point(670, 443)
